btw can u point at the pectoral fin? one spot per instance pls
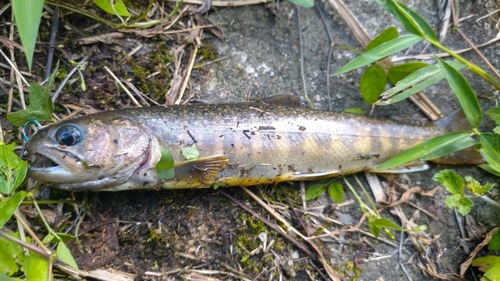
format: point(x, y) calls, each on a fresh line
point(201, 171)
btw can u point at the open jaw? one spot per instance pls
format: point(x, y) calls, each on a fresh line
point(56, 166)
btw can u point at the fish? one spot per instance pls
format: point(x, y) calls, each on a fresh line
point(238, 145)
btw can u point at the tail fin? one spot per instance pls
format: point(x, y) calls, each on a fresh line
point(456, 121)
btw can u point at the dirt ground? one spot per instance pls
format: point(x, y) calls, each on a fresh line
point(203, 234)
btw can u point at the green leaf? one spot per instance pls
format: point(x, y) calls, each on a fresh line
point(218, 184)
point(335, 191)
point(494, 113)
point(28, 14)
point(488, 169)
point(13, 170)
point(494, 244)
point(476, 188)
point(453, 200)
point(431, 149)
point(490, 149)
point(64, 255)
point(35, 267)
point(372, 83)
point(9, 253)
point(415, 82)
point(303, 3)
point(461, 203)
point(399, 72)
point(64, 237)
point(118, 8)
point(355, 110)
point(385, 223)
point(414, 23)
point(165, 167)
point(190, 152)
point(40, 107)
point(314, 191)
point(386, 35)
point(453, 183)
point(380, 52)
point(464, 206)
point(7, 207)
point(465, 95)
point(497, 130)
point(374, 229)
point(484, 263)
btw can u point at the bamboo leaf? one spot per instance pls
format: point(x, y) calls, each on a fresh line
point(372, 83)
point(431, 149)
point(464, 93)
point(385, 36)
point(415, 82)
point(28, 14)
point(380, 52)
point(494, 113)
point(490, 149)
point(399, 72)
point(419, 25)
point(411, 21)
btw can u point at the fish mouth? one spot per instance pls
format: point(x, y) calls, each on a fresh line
point(55, 166)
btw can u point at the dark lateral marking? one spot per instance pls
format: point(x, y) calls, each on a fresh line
point(302, 128)
point(189, 133)
point(367, 156)
point(266, 128)
point(245, 132)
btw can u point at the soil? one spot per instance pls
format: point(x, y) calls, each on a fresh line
point(189, 234)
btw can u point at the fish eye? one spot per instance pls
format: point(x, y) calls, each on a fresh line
point(69, 135)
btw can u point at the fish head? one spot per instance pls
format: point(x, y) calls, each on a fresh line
point(93, 153)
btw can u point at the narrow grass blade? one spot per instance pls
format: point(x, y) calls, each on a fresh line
point(465, 95)
point(380, 52)
point(431, 149)
point(27, 14)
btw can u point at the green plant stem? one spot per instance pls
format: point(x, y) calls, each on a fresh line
point(47, 226)
point(474, 68)
point(374, 208)
point(490, 201)
point(364, 208)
